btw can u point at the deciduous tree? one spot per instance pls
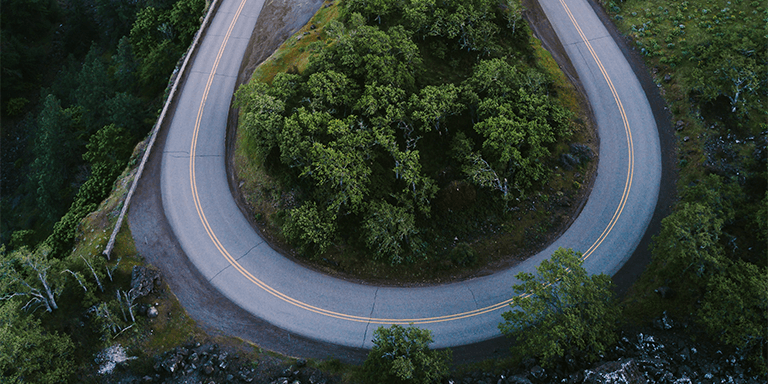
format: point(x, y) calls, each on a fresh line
point(689, 241)
point(735, 307)
point(402, 355)
point(32, 276)
point(311, 228)
point(388, 230)
point(562, 310)
point(29, 353)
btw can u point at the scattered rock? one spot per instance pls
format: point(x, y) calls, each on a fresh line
point(143, 281)
point(538, 374)
point(622, 371)
point(664, 322)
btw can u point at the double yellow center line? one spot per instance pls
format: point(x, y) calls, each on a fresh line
point(364, 319)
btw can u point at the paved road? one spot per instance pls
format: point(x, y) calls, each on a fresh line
point(229, 253)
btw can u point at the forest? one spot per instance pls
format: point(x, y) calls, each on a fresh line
point(359, 135)
point(410, 122)
point(82, 80)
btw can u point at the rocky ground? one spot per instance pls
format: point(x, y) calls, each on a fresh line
point(661, 353)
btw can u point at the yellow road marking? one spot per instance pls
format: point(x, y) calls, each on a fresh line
point(362, 319)
point(630, 146)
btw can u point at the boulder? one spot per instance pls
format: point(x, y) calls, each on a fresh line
point(618, 372)
point(664, 322)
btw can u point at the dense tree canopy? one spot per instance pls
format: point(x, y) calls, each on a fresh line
point(402, 355)
point(562, 310)
point(30, 354)
point(360, 133)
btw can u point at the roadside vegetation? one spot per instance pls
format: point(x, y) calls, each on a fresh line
point(391, 136)
point(81, 80)
point(61, 303)
point(710, 60)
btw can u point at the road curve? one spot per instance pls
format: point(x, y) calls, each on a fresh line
point(220, 242)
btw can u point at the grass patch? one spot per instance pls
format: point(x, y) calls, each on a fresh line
point(293, 55)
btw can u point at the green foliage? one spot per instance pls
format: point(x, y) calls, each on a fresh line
point(26, 27)
point(517, 133)
point(761, 219)
point(463, 255)
point(107, 153)
point(389, 230)
point(124, 66)
point(311, 228)
point(730, 65)
point(29, 353)
point(475, 25)
point(108, 146)
point(160, 36)
point(186, 16)
point(31, 275)
point(361, 136)
point(689, 240)
point(434, 105)
point(371, 55)
point(94, 87)
point(16, 106)
point(402, 355)
point(49, 169)
point(735, 308)
point(144, 32)
point(261, 119)
point(562, 310)
point(127, 111)
point(716, 49)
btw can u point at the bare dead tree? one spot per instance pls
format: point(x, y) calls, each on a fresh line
point(111, 270)
point(95, 276)
point(77, 277)
point(26, 273)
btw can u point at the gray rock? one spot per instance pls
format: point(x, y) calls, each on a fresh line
point(619, 372)
point(518, 380)
point(152, 312)
point(143, 281)
point(171, 363)
point(538, 374)
point(664, 322)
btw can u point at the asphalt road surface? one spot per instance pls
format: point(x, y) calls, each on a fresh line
point(228, 253)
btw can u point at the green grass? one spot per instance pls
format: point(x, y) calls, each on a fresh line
point(667, 34)
point(294, 53)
